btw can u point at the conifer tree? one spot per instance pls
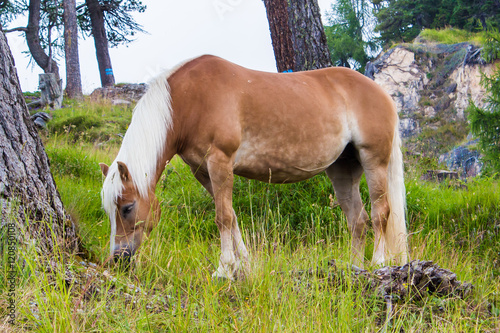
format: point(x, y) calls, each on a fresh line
point(485, 123)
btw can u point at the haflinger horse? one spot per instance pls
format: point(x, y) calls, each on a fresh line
point(225, 120)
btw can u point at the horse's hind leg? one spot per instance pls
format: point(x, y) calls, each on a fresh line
point(345, 175)
point(376, 176)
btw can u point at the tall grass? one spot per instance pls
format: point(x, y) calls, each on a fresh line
point(292, 231)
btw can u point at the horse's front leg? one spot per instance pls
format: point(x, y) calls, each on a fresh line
point(240, 249)
point(221, 176)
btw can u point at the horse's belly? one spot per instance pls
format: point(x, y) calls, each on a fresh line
point(275, 175)
point(283, 164)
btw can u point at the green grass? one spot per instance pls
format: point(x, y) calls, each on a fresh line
point(453, 36)
point(289, 229)
point(437, 141)
point(89, 121)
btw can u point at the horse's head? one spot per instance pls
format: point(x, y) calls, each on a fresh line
point(130, 213)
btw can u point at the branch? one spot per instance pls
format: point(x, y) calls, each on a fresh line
point(23, 29)
point(81, 6)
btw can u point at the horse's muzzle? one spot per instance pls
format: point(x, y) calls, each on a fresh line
point(123, 255)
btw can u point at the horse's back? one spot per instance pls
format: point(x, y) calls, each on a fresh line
point(282, 127)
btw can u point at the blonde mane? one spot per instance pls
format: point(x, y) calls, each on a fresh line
point(142, 145)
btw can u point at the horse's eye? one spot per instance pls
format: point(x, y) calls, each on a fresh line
point(127, 209)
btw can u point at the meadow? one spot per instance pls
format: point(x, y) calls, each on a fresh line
point(289, 229)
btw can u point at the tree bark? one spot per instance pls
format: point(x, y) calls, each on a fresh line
point(33, 40)
point(297, 33)
point(73, 76)
point(101, 43)
point(28, 193)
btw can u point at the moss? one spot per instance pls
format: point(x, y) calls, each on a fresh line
point(425, 101)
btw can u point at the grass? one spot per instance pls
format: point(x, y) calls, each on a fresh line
point(288, 229)
point(83, 121)
point(436, 141)
point(453, 36)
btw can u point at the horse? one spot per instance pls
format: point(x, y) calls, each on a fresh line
point(224, 120)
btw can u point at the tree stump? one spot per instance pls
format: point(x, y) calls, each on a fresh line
point(51, 90)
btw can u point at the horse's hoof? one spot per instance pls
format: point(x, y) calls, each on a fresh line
point(221, 280)
point(222, 275)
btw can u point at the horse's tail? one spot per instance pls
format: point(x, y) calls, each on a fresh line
point(395, 235)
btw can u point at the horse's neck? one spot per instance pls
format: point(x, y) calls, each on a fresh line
point(165, 158)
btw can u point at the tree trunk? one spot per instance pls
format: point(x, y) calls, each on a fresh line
point(297, 34)
point(33, 40)
point(28, 194)
point(101, 43)
point(73, 77)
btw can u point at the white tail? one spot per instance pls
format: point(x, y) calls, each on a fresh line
point(395, 236)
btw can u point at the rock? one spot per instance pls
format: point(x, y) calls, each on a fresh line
point(399, 74)
point(408, 127)
point(468, 81)
point(452, 88)
point(463, 159)
point(429, 112)
point(40, 123)
point(123, 92)
point(40, 119)
point(123, 102)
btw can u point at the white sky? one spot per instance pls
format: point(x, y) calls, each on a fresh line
point(233, 29)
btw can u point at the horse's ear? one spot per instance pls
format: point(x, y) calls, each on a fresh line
point(104, 169)
point(124, 174)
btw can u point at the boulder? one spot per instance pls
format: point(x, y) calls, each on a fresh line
point(463, 159)
point(123, 93)
point(40, 119)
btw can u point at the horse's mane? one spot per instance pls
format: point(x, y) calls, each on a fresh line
point(142, 145)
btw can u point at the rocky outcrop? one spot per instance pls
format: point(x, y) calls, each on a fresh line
point(431, 80)
point(432, 85)
point(401, 76)
point(468, 86)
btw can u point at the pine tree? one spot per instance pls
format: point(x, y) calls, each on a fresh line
point(350, 34)
point(28, 193)
point(485, 123)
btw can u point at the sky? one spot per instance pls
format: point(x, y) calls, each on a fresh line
point(236, 30)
